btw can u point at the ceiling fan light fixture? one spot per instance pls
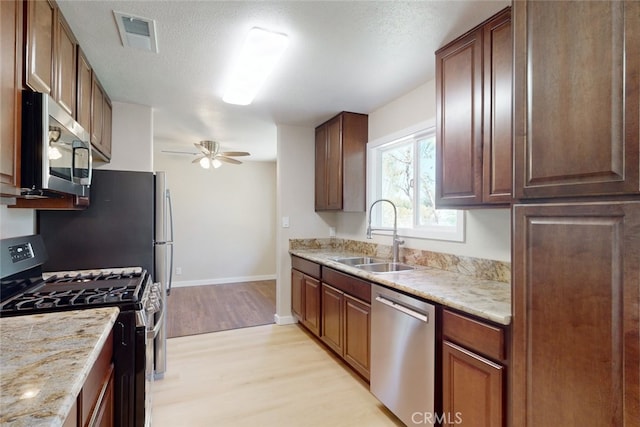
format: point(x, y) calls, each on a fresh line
point(261, 51)
point(216, 163)
point(205, 162)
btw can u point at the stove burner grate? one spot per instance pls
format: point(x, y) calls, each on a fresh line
point(73, 297)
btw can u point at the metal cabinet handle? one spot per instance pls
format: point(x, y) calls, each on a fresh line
point(406, 310)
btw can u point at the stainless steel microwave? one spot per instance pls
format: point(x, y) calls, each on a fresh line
point(56, 150)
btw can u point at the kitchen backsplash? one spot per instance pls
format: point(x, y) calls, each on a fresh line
point(487, 269)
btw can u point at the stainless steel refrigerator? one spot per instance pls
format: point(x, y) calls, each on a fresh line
point(127, 224)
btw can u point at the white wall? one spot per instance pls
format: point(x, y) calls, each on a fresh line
point(224, 220)
point(16, 222)
point(132, 138)
point(488, 232)
point(295, 199)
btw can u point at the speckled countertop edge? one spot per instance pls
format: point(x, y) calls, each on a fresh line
point(45, 360)
point(486, 299)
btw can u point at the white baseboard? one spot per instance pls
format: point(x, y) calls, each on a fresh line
point(223, 281)
point(284, 320)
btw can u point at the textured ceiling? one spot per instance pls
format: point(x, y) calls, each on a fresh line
point(343, 55)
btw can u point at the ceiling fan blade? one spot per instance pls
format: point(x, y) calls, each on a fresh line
point(179, 152)
point(234, 153)
point(202, 148)
point(197, 159)
point(228, 159)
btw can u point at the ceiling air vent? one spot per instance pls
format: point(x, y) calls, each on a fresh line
point(137, 32)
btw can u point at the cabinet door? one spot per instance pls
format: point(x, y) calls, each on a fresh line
point(471, 388)
point(576, 96)
point(321, 169)
point(40, 21)
point(10, 99)
point(83, 115)
point(575, 315)
point(97, 113)
point(106, 128)
point(497, 134)
point(357, 334)
point(297, 294)
point(329, 165)
point(312, 304)
point(103, 415)
point(334, 164)
point(353, 162)
point(332, 318)
point(459, 122)
point(65, 66)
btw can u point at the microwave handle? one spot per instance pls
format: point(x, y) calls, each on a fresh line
point(80, 145)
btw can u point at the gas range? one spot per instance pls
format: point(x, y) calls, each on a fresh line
point(124, 287)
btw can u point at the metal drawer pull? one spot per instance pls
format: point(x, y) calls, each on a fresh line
point(406, 310)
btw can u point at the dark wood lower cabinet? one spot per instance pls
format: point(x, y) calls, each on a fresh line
point(297, 296)
point(576, 293)
point(336, 309)
point(472, 388)
point(333, 318)
point(474, 362)
point(305, 300)
point(94, 406)
point(311, 317)
point(305, 293)
point(346, 328)
point(357, 334)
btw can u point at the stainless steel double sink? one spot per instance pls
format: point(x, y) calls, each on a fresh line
point(374, 265)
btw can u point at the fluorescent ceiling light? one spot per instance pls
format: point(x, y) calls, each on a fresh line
point(259, 54)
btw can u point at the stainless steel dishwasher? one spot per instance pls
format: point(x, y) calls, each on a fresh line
point(403, 338)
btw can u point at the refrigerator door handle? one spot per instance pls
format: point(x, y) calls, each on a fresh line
point(170, 209)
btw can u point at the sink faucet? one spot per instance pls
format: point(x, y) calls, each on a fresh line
point(396, 241)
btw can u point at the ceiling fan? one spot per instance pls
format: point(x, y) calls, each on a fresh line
point(210, 154)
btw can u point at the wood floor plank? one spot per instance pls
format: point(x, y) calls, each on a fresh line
point(203, 309)
point(261, 376)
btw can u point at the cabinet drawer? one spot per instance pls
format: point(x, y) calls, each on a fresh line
point(348, 284)
point(473, 334)
point(306, 266)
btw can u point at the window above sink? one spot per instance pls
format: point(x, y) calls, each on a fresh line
point(401, 168)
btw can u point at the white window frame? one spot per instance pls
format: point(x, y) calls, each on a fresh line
point(453, 234)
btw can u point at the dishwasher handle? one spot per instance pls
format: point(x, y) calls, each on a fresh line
point(406, 310)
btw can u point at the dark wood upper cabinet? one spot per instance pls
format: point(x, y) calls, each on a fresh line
point(83, 115)
point(101, 121)
point(39, 39)
point(50, 54)
point(576, 98)
point(576, 340)
point(341, 163)
point(10, 94)
point(497, 176)
point(65, 66)
point(473, 116)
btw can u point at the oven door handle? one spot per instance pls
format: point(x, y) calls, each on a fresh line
point(151, 334)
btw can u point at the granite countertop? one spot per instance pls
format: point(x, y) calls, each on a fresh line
point(486, 299)
point(45, 360)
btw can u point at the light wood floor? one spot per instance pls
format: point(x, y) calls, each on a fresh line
point(264, 376)
point(202, 309)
